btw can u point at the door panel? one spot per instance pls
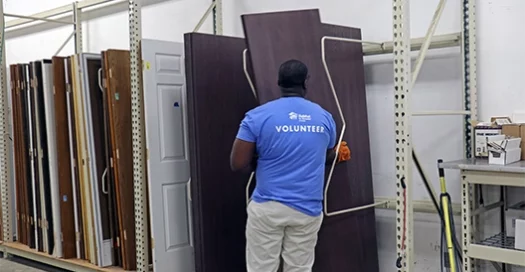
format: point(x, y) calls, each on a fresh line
point(75, 171)
point(63, 151)
point(94, 114)
point(117, 69)
point(52, 196)
point(110, 174)
point(216, 84)
point(168, 161)
point(35, 181)
point(83, 161)
point(351, 182)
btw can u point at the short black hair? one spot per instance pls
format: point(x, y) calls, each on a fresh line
point(292, 73)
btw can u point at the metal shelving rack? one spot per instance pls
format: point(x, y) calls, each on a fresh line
point(404, 79)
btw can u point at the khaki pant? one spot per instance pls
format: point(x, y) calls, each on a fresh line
point(274, 229)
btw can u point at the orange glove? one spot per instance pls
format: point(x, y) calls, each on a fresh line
point(344, 153)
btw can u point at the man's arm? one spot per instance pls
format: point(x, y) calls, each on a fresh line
point(242, 156)
point(330, 156)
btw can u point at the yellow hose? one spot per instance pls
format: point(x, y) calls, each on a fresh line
point(448, 233)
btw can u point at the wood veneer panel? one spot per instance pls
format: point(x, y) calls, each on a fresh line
point(96, 97)
point(45, 182)
point(19, 150)
point(27, 187)
point(38, 174)
point(113, 210)
point(216, 84)
point(346, 242)
point(117, 65)
point(83, 163)
point(64, 161)
point(81, 253)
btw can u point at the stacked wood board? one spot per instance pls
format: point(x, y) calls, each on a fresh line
point(72, 157)
point(216, 84)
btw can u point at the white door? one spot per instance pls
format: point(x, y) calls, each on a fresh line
point(168, 162)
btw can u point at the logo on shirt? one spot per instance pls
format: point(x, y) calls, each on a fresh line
point(299, 117)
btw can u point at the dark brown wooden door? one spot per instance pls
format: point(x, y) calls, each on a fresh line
point(346, 242)
point(218, 97)
point(20, 159)
point(27, 186)
point(64, 160)
point(117, 69)
point(113, 209)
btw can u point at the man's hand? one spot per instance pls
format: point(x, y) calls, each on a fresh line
point(344, 152)
point(342, 155)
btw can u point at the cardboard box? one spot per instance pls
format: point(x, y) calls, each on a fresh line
point(512, 214)
point(481, 133)
point(518, 131)
point(503, 150)
point(484, 129)
point(519, 242)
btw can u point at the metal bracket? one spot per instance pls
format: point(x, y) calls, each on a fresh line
point(343, 128)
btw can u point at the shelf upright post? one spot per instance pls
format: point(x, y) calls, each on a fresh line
point(402, 85)
point(5, 125)
point(217, 18)
point(138, 131)
point(77, 17)
point(469, 192)
point(470, 86)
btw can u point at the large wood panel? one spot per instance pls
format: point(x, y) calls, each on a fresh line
point(346, 242)
point(37, 165)
point(82, 159)
point(64, 162)
point(77, 197)
point(44, 197)
point(28, 186)
point(218, 98)
point(20, 151)
point(110, 175)
point(117, 69)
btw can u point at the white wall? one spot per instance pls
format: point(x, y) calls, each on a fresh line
point(501, 63)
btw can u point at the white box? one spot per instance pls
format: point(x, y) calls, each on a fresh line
point(503, 150)
point(480, 144)
point(505, 157)
point(512, 214)
point(519, 242)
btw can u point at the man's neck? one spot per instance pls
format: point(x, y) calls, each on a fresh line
point(293, 92)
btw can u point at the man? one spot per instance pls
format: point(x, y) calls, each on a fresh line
point(293, 138)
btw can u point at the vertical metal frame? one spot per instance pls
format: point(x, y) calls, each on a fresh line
point(402, 83)
point(468, 53)
point(217, 18)
point(138, 131)
point(466, 222)
point(470, 222)
point(6, 189)
point(77, 19)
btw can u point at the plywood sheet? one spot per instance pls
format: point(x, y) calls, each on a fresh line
point(20, 150)
point(218, 98)
point(70, 101)
point(346, 242)
point(82, 159)
point(117, 69)
point(113, 210)
point(28, 186)
point(63, 158)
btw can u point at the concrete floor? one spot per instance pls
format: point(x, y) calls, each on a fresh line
point(10, 266)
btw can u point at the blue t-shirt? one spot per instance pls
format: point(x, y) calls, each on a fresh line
point(292, 136)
